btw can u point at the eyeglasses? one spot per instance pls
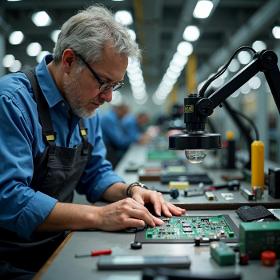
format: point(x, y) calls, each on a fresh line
point(103, 85)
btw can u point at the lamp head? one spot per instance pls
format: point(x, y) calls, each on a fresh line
point(195, 140)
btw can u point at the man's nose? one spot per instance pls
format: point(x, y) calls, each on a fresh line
point(107, 95)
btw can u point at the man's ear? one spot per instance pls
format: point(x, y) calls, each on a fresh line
point(68, 57)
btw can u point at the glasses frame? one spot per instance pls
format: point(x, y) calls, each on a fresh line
point(104, 86)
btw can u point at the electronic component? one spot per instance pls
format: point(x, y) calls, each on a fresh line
point(140, 262)
point(247, 194)
point(174, 193)
point(136, 245)
point(268, 258)
point(274, 182)
point(222, 253)
point(186, 229)
point(257, 237)
point(210, 196)
point(178, 185)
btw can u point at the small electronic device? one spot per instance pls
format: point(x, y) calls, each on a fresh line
point(273, 182)
point(140, 262)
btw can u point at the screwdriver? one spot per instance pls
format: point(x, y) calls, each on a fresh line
point(95, 253)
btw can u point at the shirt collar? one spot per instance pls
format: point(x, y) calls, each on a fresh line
point(46, 82)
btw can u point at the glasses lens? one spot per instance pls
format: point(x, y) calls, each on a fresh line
point(117, 86)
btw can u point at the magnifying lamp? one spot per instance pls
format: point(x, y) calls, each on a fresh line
point(194, 139)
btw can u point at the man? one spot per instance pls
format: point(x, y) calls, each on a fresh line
point(114, 135)
point(51, 144)
point(135, 126)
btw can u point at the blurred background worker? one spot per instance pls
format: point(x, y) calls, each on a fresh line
point(114, 134)
point(136, 127)
point(120, 129)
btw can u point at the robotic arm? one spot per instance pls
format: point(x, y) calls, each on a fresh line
point(197, 107)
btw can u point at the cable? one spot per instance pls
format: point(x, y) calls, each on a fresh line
point(223, 69)
point(250, 122)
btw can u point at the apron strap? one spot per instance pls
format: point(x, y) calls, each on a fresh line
point(43, 108)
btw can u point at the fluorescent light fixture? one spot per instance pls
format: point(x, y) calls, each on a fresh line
point(33, 49)
point(54, 35)
point(16, 66)
point(185, 48)
point(8, 60)
point(16, 38)
point(41, 55)
point(276, 32)
point(132, 34)
point(191, 33)
point(259, 45)
point(234, 66)
point(124, 17)
point(203, 9)
point(254, 82)
point(41, 18)
point(244, 57)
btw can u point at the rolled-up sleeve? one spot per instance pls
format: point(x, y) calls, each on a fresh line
point(22, 209)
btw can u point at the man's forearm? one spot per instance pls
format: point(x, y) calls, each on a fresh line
point(68, 216)
point(115, 192)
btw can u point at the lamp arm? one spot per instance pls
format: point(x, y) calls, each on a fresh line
point(265, 61)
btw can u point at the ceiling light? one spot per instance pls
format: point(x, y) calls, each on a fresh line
point(244, 57)
point(15, 66)
point(8, 60)
point(203, 9)
point(254, 82)
point(54, 35)
point(33, 49)
point(191, 33)
point(16, 37)
point(234, 66)
point(185, 48)
point(41, 18)
point(41, 55)
point(259, 45)
point(276, 32)
point(132, 34)
point(124, 17)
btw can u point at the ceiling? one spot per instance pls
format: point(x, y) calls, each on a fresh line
point(159, 25)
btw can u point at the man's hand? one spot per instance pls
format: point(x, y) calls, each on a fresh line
point(161, 207)
point(123, 214)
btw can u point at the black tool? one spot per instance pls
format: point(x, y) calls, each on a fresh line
point(174, 193)
point(233, 185)
point(136, 245)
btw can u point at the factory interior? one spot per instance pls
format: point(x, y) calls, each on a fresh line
point(204, 97)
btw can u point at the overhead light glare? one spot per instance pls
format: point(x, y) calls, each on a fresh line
point(54, 35)
point(191, 33)
point(124, 17)
point(16, 38)
point(203, 9)
point(33, 49)
point(41, 18)
point(276, 32)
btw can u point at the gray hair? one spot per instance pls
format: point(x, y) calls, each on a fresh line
point(90, 30)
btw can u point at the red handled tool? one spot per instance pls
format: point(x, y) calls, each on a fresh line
point(95, 253)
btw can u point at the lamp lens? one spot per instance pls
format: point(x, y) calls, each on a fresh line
point(195, 156)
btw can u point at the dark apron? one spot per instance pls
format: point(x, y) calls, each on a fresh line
point(57, 173)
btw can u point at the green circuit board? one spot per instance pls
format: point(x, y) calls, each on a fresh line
point(186, 229)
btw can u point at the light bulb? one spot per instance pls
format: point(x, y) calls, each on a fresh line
point(195, 156)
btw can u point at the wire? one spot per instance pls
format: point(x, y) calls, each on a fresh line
point(223, 69)
point(250, 122)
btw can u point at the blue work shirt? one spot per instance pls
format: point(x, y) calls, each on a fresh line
point(22, 209)
point(114, 132)
point(132, 128)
